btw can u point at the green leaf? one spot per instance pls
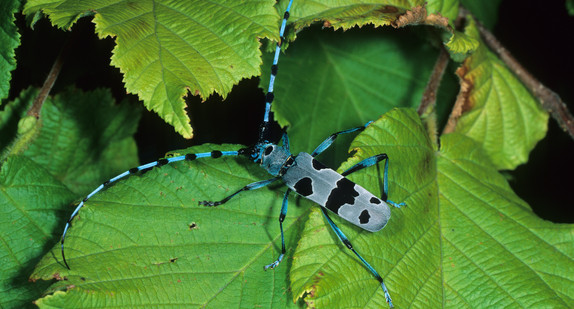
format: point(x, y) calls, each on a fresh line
point(30, 207)
point(332, 80)
point(82, 139)
point(348, 13)
point(166, 49)
point(492, 239)
point(9, 40)
point(146, 242)
point(463, 240)
point(326, 273)
point(497, 109)
point(460, 46)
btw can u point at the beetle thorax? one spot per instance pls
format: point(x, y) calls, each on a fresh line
point(273, 157)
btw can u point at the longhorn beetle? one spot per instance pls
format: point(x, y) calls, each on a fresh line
point(301, 173)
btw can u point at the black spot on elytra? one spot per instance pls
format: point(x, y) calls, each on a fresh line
point(343, 193)
point(318, 165)
point(268, 150)
point(304, 186)
point(375, 200)
point(364, 217)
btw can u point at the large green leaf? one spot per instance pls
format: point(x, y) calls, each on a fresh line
point(31, 201)
point(493, 245)
point(329, 273)
point(9, 40)
point(167, 48)
point(463, 240)
point(497, 109)
point(146, 242)
point(330, 81)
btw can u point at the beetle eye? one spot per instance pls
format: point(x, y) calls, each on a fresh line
point(268, 150)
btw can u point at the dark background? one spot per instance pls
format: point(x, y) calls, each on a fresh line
point(539, 36)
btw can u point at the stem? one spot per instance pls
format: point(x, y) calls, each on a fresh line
point(429, 95)
point(50, 80)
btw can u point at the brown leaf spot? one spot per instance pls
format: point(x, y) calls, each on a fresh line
point(419, 15)
point(411, 17)
point(466, 86)
point(57, 277)
point(388, 9)
point(463, 102)
point(437, 20)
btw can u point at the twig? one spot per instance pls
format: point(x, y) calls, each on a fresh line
point(30, 126)
point(549, 100)
point(51, 79)
point(429, 95)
